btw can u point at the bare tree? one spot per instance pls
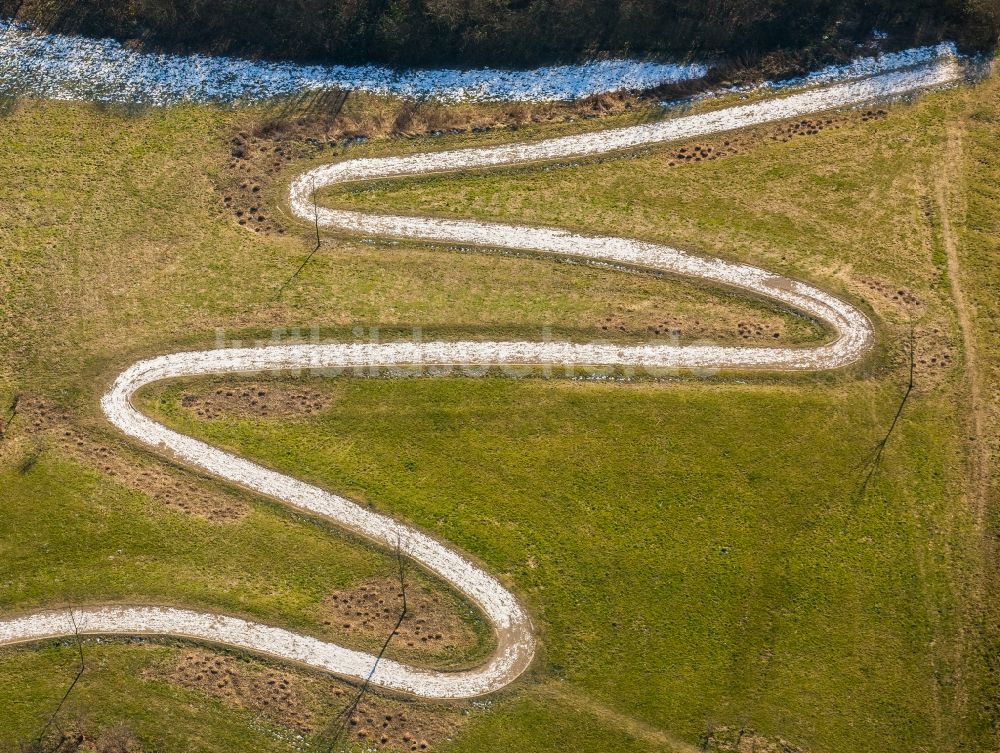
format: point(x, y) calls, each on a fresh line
point(39, 744)
point(337, 729)
point(311, 253)
point(11, 414)
point(875, 460)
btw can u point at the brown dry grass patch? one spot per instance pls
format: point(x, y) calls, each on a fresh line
point(745, 740)
point(371, 610)
point(310, 704)
point(256, 400)
point(53, 427)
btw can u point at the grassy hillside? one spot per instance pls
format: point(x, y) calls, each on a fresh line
point(698, 553)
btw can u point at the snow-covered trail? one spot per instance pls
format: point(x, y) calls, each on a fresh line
point(515, 637)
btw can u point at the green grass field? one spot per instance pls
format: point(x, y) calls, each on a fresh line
point(696, 552)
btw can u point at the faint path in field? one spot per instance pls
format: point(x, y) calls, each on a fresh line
point(945, 195)
point(640, 730)
point(949, 199)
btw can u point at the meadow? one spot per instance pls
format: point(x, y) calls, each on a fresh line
point(698, 552)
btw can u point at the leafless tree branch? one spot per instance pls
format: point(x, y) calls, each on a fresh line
point(875, 460)
point(311, 253)
point(338, 726)
point(11, 414)
point(62, 701)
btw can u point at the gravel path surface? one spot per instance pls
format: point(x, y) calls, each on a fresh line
point(515, 636)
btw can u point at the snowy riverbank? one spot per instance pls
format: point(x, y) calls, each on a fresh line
point(65, 67)
point(51, 66)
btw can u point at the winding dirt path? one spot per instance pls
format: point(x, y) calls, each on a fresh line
point(514, 632)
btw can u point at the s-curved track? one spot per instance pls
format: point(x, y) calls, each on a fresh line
point(515, 637)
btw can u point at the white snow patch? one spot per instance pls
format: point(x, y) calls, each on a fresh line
point(863, 67)
point(54, 66)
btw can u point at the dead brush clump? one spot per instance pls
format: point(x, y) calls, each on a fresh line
point(309, 704)
point(431, 627)
point(175, 489)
